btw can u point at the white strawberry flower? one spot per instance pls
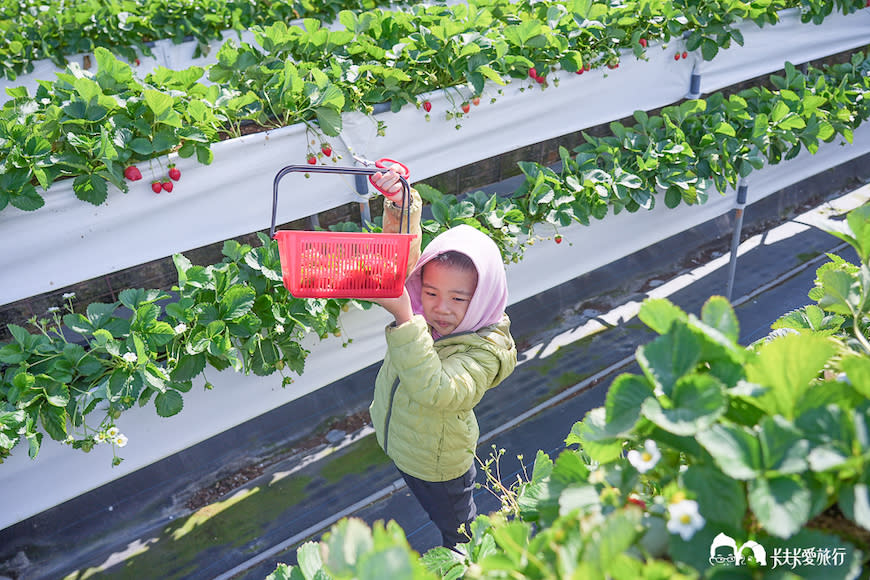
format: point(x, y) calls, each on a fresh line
point(591, 519)
point(112, 432)
point(100, 437)
point(684, 518)
point(645, 460)
point(180, 327)
point(68, 295)
point(596, 476)
point(130, 357)
point(279, 328)
point(120, 440)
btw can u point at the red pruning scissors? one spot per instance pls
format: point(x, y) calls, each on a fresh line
point(385, 164)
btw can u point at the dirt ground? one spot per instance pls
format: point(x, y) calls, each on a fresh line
point(214, 491)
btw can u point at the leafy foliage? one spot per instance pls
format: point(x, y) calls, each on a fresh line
point(88, 126)
point(151, 344)
point(699, 144)
point(54, 29)
point(227, 306)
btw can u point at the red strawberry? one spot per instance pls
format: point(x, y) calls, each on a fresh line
point(638, 502)
point(677, 56)
point(466, 107)
point(541, 79)
point(132, 173)
point(685, 54)
point(310, 279)
point(156, 187)
point(355, 279)
point(427, 106)
point(137, 62)
point(327, 150)
point(533, 73)
point(588, 67)
point(166, 185)
point(558, 238)
point(312, 160)
point(580, 72)
point(174, 173)
point(386, 280)
point(476, 100)
point(642, 42)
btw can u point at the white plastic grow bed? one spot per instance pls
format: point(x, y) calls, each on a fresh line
point(78, 241)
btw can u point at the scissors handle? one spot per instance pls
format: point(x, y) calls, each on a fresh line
point(385, 163)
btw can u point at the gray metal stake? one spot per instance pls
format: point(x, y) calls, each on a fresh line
point(362, 188)
point(735, 236)
point(694, 84)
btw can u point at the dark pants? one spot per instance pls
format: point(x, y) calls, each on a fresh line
point(448, 503)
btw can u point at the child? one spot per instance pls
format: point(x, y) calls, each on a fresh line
point(449, 344)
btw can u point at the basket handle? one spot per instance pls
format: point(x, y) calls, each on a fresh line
point(406, 189)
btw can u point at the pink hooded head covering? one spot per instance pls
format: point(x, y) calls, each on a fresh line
point(490, 297)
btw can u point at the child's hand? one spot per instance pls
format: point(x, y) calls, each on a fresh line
point(399, 307)
point(389, 182)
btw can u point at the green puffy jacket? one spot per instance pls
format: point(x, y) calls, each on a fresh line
point(426, 390)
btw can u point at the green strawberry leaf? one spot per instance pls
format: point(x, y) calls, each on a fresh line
point(168, 403)
point(781, 504)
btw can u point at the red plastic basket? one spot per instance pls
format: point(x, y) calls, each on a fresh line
point(320, 264)
point(343, 264)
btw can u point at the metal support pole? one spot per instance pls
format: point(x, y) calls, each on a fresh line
point(735, 236)
point(694, 84)
point(362, 188)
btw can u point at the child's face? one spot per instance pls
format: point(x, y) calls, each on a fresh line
point(446, 294)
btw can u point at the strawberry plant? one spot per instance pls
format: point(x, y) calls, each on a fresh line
point(842, 293)
point(90, 127)
point(701, 143)
point(236, 314)
point(276, 92)
point(53, 29)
